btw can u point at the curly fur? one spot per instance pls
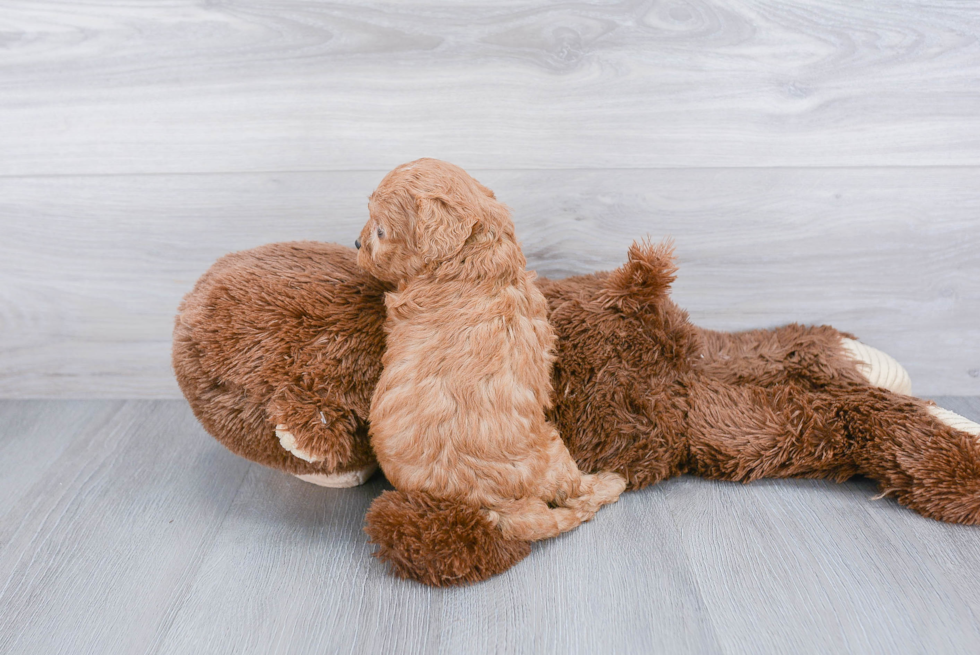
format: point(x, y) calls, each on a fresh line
point(459, 409)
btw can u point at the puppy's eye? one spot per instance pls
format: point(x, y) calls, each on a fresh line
point(381, 233)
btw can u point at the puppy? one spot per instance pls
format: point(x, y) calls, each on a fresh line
point(459, 410)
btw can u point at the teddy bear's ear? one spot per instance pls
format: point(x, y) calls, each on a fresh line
point(644, 279)
point(440, 228)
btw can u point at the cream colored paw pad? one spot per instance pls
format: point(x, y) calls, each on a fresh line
point(340, 480)
point(954, 420)
point(288, 441)
point(880, 369)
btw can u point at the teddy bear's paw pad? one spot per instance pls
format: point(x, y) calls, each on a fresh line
point(954, 420)
point(340, 480)
point(288, 441)
point(880, 369)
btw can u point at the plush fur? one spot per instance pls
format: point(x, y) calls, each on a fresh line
point(280, 333)
point(459, 409)
point(254, 339)
point(447, 542)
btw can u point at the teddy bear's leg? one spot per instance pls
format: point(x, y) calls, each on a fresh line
point(439, 542)
point(926, 456)
point(816, 356)
point(744, 433)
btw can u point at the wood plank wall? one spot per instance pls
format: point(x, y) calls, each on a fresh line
point(815, 160)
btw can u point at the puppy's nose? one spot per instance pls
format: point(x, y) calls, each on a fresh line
point(357, 243)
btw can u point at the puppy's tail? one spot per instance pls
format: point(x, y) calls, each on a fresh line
point(532, 519)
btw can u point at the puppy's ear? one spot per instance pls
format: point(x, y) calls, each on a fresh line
point(440, 229)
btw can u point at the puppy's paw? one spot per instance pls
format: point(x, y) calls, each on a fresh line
point(597, 490)
point(288, 441)
point(878, 368)
point(608, 487)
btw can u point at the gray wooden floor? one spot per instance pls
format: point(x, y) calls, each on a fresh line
point(125, 529)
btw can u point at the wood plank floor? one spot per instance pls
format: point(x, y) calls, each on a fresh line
point(869, 251)
point(297, 85)
point(816, 160)
point(124, 528)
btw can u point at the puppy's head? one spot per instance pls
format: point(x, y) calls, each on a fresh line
point(425, 213)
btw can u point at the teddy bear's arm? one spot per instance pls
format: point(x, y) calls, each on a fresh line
point(745, 432)
point(816, 357)
point(318, 429)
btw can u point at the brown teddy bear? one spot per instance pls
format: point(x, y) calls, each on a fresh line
point(277, 350)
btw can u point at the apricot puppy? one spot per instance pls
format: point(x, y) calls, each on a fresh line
point(459, 410)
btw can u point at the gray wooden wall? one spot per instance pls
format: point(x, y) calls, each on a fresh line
point(815, 160)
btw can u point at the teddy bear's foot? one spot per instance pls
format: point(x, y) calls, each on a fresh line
point(880, 369)
point(340, 480)
point(954, 420)
point(333, 480)
point(288, 441)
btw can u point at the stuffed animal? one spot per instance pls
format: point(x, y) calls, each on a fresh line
point(277, 350)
